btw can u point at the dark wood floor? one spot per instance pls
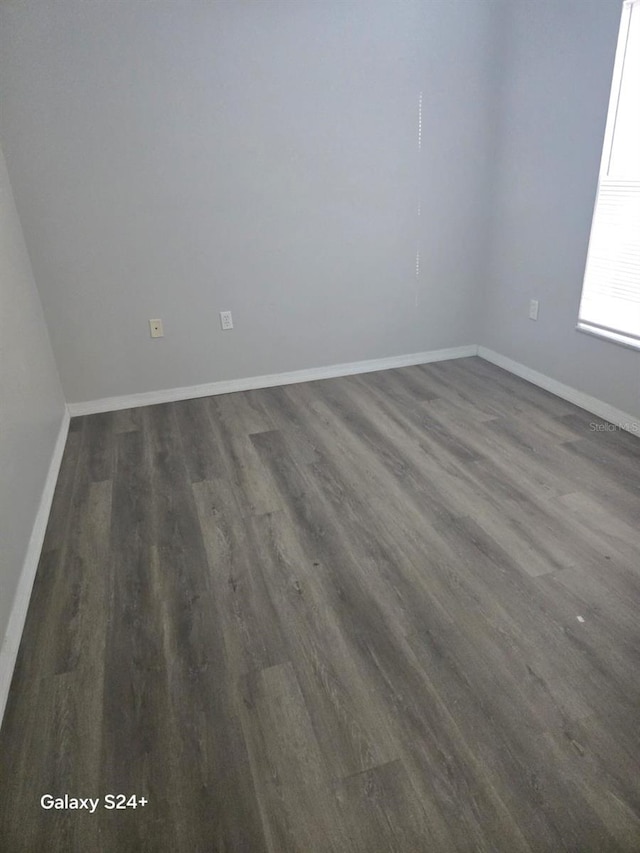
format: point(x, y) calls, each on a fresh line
point(390, 612)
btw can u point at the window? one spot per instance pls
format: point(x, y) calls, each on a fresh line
point(610, 305)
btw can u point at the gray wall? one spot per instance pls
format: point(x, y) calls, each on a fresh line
point(31, 402)
point(553, 92)
point(175, 159)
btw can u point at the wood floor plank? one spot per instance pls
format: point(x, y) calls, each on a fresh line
point(607, 464)
point(134, 693)
point(284, 407)
point(251, 631)
point(478, 407)
point(242, 466)
point(385, 812)
point(127, 420)
point(99, 446)
point(37, 770)
point(349, 722)
point(200, 444)
point(301, 810)
point(596, 519)
point(207, 795)
point(588, 426)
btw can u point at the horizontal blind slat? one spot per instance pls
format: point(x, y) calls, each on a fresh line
point(611, 292)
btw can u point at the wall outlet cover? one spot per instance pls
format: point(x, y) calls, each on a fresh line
point(156, 329)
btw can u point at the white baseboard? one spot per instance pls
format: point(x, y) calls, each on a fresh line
point(13, 634)
point(227, 386)
point(631, 423)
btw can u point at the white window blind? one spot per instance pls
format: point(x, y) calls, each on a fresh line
point(610, 304)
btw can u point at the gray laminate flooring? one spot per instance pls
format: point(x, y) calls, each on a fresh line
point(389, 612)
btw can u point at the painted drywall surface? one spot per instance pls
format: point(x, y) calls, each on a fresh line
point(553, 92)
point(176, 159)
point(31, 402)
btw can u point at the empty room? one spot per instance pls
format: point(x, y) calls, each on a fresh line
point(319, 426)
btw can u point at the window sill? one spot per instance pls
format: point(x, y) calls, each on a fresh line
point(613, 337)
